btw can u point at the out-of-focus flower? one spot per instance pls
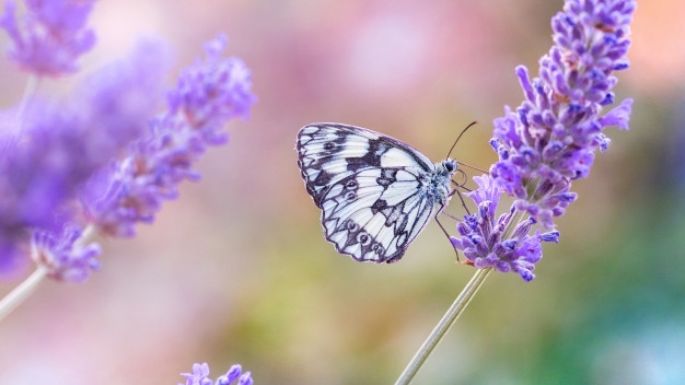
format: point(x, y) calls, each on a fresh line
point(552, 137)
point(234, 376)
point(118, 101)
point(49, 38)
point(63, 256)
point(209, 93)
point(40, 170)
point(45, 166)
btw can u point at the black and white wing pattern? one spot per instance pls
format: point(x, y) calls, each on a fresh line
point(374, 191)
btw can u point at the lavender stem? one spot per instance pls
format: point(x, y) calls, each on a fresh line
point(447, 320)
point(29, 92)
point(86, 236)
point(20, 293)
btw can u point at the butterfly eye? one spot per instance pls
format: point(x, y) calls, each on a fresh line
point(351, 184)
point(450, 165)
point(364, 239)
point(350, 195)
point(329, 146)
point(352, 226)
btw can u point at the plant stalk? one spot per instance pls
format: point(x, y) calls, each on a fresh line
point(447, 320)
point(19, 294)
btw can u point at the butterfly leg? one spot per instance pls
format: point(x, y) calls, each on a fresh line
point(451, 216)
point(461, 198)
point(460, 185)
point(446, 233)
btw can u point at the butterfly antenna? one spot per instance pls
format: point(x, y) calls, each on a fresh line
point(459, 137)
point(472, 167)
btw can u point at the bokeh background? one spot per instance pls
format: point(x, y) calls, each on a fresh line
point(237, 270)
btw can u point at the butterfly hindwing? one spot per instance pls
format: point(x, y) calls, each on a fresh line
point(368, 187)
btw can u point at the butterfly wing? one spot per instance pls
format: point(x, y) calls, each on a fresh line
point(369, 188)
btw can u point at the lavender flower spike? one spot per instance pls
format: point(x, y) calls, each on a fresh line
point(208, 94)
point(52, 34)
point(551, 139)
point(234, 376)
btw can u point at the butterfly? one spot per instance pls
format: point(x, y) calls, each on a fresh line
point(376, 193)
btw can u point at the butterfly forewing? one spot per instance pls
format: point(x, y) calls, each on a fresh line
point(368, 187)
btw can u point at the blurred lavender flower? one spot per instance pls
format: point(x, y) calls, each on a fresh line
point(44, 167)
point(50, 36)
point(552, 138)
point(62, 255)
point(208, 94)
point(104, 151)
point(39, 173)
point(121, 97)
point(200, 376)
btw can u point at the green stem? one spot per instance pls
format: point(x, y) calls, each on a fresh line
point(447, 320)
point(17, 296)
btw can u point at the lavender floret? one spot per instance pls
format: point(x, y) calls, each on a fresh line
point(63, 256)
point(485, 242)
point(50, 37)
point(200, 376)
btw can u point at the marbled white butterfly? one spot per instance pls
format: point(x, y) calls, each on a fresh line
point(375, 193)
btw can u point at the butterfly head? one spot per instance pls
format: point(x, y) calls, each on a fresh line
point(449, 165)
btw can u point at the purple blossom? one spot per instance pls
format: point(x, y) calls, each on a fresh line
point(102, 159)
point(45, 166)
point(118, 100)
point(234, 376)
point(552, 137)
point(208, 94)
point(49, 38)
point(63, 256)
point(40, 169)
point(484, 239)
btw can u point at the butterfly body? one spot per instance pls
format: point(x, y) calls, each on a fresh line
point(376, 193)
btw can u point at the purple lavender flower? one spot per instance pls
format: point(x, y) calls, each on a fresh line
point(208, 94)
point(551, 139)
point(63, 256)
point(50, 36)
point(484, 239)
point(39, 171)
point(45, 165)
point(120, 98)
point(200, 376)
